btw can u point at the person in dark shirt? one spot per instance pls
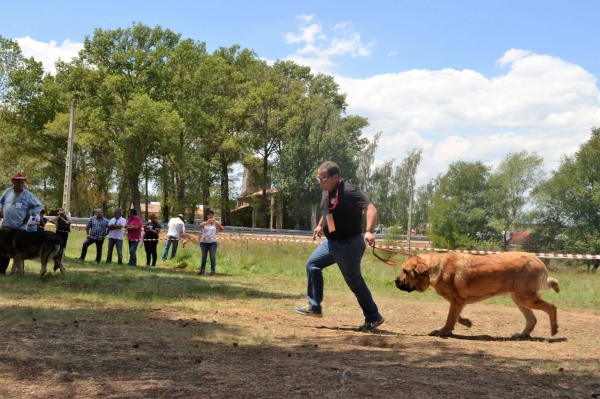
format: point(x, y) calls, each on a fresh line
point(43, 221)
point(342, 206)
point(151, 231)
point(63, 226)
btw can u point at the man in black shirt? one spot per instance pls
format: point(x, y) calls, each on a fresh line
point(342, 206)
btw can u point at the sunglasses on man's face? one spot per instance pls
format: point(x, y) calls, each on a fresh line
point(323, 179)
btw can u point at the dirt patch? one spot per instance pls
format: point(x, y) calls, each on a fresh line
point(241, 351)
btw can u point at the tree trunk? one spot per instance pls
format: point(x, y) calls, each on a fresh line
point(165, 207)
point(134, 181)
point(180, 184)
point(146, 198)
point(313, 215)
point(264, 201)
point(225, 211)
point(409, 232)
point(205, 197)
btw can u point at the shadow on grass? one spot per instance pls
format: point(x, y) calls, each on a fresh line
point(133, 283)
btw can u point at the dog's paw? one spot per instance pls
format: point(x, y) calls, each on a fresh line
point(465, 322)
point(554, 329)
point(520, 336)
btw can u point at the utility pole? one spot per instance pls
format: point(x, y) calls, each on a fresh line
point(409, 232)
point(69, 164)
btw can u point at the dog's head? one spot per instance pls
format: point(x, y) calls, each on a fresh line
point(414, 275)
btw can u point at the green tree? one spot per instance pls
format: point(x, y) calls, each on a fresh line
point(512, 184)
point(114, 68)
point(423, 204)
point(146, 122)
point(29, 99)
point(274, 111)
point(571, 198)
point(462, 209)
point(11, 59)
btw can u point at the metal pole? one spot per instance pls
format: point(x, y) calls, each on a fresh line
point(69, 164)
point(408, 233)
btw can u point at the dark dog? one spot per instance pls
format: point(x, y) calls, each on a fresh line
point(21, 245)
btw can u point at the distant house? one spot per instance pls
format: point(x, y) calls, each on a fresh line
point(246, 211)
point(520, 236)
point(155, 207)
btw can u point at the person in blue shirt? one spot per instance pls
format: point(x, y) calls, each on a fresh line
point(17, 206)
point(96, 230)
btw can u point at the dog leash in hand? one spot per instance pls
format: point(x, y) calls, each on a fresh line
point(389, 262)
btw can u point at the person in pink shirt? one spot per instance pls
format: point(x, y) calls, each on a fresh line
point(134, 235)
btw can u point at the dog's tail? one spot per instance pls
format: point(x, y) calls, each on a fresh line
point(553, 283)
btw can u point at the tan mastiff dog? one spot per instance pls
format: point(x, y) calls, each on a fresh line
point(462, 279)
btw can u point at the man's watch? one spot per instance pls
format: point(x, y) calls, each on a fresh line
point(370, 231)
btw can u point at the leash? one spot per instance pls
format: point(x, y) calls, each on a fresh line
point(389, 262)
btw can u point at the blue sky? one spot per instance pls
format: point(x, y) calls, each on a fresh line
point(469, 80)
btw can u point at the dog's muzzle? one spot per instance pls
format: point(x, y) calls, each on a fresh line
point(403, 287)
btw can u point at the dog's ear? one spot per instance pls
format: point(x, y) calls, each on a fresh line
point(422, 269)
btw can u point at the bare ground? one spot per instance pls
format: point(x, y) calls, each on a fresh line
point(241, 350)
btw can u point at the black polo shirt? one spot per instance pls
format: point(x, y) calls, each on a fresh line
point(347, 214)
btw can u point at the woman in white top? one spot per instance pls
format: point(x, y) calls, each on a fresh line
point(208, 242)
point(33, 223)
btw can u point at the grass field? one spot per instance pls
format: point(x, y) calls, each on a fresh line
point(121, 331)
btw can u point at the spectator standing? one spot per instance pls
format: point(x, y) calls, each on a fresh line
point(63, 226)
point(342, 206)
point(17, 205)
point(34, 222)
point(151, 231)
point(43, 221)
point(116, 227)
point(96, 231)
point(208, 242)
point(134, 235)
point(176, 230)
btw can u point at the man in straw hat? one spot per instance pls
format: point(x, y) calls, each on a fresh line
point(17, 205)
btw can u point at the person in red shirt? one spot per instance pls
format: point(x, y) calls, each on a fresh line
point(134, 235)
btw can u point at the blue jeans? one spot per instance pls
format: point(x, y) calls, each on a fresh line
point(347, 254)
point(133, 246)
point(170, 240)
point(89, 241)
point(212, 248)
point(115, 242)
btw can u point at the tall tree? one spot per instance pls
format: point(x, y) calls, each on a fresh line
point(576, 186)
point(512, 184)
point(112, 69)
point(274, 111)
point(462, 208)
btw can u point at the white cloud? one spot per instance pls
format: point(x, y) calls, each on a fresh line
point(49, 53)
point(541, 103)
point(392, 53)
point(511, 56)
point(320, 49)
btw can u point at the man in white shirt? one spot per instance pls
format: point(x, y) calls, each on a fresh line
point(115, 236)
point(176, 231)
